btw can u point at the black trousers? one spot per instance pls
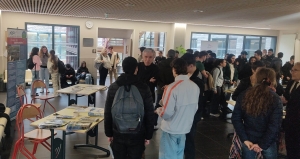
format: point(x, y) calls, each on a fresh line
point(292, 142)
point(189, 149)
point(132, 149)
point(216, 101)
point(103, 74)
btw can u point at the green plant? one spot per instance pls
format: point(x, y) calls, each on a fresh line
point(181, 50)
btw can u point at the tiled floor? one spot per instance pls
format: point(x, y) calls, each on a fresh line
point(211, 141)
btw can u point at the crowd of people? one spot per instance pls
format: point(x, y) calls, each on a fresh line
point(182, 91)
point(193, 86)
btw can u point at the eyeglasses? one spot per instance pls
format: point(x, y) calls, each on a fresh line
point(294, 71)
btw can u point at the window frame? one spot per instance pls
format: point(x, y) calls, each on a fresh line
point(53, 35)
point(227, 38)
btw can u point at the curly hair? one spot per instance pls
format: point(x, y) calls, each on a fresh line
point(258, 98)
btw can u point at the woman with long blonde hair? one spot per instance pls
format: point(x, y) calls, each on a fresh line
point(257, 116)
point(44, 72)
point(53, 69)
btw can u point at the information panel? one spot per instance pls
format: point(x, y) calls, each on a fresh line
point(16, 67)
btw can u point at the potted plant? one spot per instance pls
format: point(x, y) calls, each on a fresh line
point(181, 50)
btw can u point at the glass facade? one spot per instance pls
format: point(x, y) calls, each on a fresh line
point(63, 39)
point(233, 44)
point(154, 40)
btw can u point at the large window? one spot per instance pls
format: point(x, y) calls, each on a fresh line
point(252, 44)
point(221, 39)
point(233, 44)
point(63, 39)
point(196, 40)
point(154, 40)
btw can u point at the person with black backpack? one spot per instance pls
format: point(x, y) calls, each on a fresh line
point(129, 113)
point(34, 63)
point(52, 65)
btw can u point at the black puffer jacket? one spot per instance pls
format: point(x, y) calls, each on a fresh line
point(261, 130)
point(148, 125)
point(165, 74)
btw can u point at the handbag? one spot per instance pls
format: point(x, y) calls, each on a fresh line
point(97, 65)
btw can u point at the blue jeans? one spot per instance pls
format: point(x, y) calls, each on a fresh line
point(271, 152)
point(88, 79)
point(35, 76)
point(44, 76)
point(171, 146)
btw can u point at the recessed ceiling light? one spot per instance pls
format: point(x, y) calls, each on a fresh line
point(198, 11)
point(129, 5)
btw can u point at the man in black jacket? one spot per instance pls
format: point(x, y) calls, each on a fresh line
point(277, 64)
point(195, 74)
point(129, 145)
point(165, 77)
point(147, 71)
point(292, 118)
point(286, 70)
point(246, 82)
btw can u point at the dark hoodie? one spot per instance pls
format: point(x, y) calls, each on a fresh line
point(148, 125)
point(82, 69)
point(286, 71)
point(276, 65)
point(165, 74)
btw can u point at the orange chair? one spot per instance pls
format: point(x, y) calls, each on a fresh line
point(45, 98)
point(23, 97)
point(36, 136)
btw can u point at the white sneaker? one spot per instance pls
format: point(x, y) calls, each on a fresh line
point(215, 115)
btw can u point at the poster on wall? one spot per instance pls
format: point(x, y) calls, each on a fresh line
point(209, 45)
point(16, 67)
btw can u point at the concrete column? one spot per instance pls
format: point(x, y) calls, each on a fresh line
point(179, 31)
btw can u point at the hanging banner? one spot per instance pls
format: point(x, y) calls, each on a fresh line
point(16, 67)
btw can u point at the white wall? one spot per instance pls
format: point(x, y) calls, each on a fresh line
point(14, 20)
point(286, 45)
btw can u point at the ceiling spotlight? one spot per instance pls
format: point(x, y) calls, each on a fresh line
point(198, 11)
point(129, 5)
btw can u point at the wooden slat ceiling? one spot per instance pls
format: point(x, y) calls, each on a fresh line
point(275, 14)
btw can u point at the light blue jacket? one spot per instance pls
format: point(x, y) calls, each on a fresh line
point(180, 103)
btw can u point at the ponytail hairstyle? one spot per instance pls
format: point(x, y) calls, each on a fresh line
point(258, 99)
point(54, 60)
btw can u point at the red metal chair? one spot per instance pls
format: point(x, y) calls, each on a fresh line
point(36, 136)
point(45, 98)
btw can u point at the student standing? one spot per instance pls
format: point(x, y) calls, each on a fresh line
point(257, 117)
point(114, 60)
point(35, 70)
point(124, 144)
point(103, 71)
point(53, 69)
point(44, 72)
point(194, 74)
point(179, 105)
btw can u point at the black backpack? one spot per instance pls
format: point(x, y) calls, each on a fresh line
point(61, 67)
point(30, 63)
point(128, 110)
